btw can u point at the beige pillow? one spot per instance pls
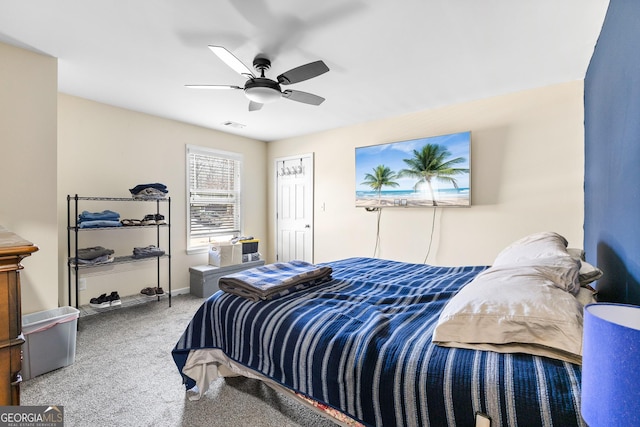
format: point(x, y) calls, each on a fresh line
point(588, 273)
point(576, 253)
point(509, 309)
point(587, 295)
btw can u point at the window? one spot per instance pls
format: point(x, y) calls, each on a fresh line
point(213, 189)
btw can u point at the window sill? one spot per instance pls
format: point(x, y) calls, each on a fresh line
point(195, 251)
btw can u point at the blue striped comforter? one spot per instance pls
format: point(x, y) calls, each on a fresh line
point(362, 344)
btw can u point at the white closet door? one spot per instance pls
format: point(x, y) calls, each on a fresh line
point(294, 204)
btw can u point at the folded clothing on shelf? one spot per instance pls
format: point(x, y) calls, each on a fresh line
point(106, 218)
point(104, 215)
point(104, 259)
point(93, 252)
point(93, 256)
point(149, 191)
point(147, 252)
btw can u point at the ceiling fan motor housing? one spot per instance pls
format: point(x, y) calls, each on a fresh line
point(262, 90)
point(261, 63)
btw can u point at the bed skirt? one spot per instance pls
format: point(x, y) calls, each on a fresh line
point(208, 365)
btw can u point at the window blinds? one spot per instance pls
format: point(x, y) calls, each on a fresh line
point(214, 193)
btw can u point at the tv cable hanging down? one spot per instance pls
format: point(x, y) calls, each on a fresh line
point(433, 226)
point(377, 246)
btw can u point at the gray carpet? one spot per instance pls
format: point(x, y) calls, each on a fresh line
point(124, 375)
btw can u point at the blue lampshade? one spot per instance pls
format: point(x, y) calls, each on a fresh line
point(611, 365)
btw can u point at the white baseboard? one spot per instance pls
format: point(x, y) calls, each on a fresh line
point(181, 291)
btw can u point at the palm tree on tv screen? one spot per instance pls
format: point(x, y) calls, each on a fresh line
point(432, 162)
point(382, 176)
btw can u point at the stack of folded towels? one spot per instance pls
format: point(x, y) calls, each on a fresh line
point(105, 218)
point(273, 281)
point(149, 191)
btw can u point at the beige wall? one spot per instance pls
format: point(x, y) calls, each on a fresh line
point(28, 91)
point(104, 151)
point(527, 176)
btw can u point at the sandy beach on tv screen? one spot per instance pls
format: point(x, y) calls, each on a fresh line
point(371, 202)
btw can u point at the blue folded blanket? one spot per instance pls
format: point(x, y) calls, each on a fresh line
point(274, 280)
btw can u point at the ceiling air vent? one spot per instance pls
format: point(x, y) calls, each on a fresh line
point(234, 124)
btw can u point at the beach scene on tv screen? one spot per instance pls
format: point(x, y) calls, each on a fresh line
point(425, 172)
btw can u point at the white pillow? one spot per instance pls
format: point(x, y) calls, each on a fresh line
point(547, 253)
point(545, 244)
point(509, 309)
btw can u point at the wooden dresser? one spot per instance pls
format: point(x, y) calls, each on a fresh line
point(13, 249)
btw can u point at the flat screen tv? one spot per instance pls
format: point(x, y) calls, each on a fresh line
point(425, 172)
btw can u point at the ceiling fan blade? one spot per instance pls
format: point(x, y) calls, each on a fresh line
point(254, 106)
point(233, 62)
point(304, 97)
point(303, 72)
point(213, 87)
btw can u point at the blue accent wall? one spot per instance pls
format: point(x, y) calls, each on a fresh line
point(612, 154)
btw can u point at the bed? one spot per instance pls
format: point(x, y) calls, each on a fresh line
point(361, 346)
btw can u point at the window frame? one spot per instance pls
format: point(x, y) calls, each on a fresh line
point(192, 246)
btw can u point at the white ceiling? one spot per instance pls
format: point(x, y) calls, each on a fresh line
point(387, 58)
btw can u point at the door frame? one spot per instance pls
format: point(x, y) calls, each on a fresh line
point(277, 198)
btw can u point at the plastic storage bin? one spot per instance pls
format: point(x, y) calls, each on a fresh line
point(50, 340)
point(224, 254)
point(250, 250)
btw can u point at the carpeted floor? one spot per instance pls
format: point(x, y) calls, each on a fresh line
point(124, 375)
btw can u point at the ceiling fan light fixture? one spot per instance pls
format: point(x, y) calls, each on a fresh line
point(263, 95)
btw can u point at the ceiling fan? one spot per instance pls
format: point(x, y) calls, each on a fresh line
point(261, 90)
